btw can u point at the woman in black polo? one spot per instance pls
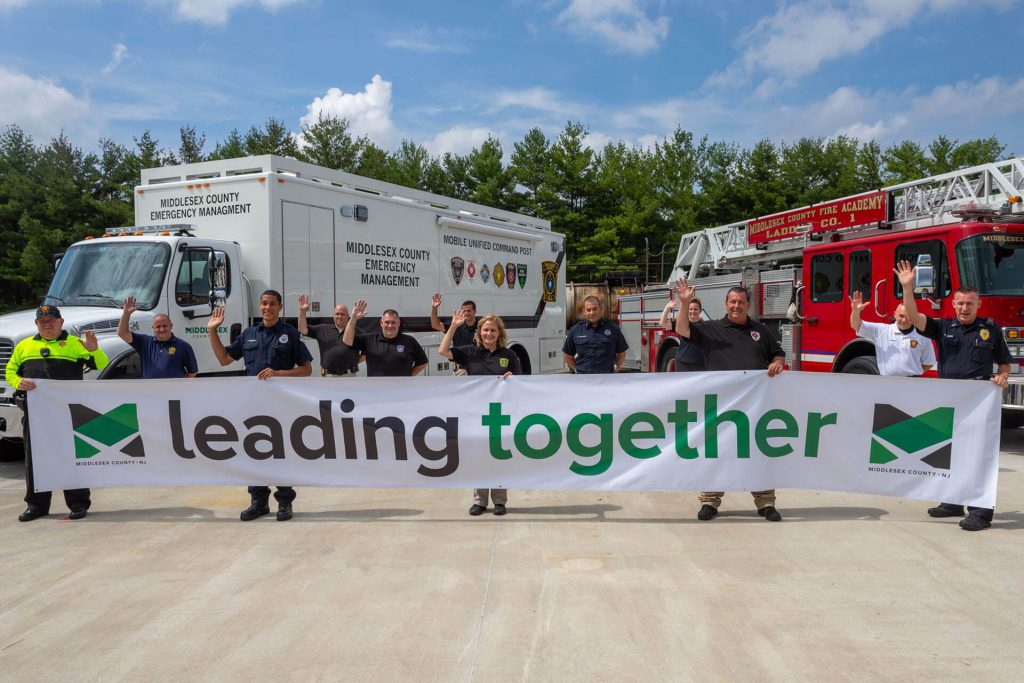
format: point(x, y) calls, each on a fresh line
point(488, 355)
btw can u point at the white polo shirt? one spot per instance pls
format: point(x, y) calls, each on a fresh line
point(898, 354)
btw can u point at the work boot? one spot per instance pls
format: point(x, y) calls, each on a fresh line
point(770, 513)
point(477, 510)
point(255, 511)
point(943, 510)
point(974, 523)
point(707, 512)
point(78, 513)
point(31, 513)
point(499, 509)
point(284, 512)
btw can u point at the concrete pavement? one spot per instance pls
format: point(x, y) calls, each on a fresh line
point(383, 585)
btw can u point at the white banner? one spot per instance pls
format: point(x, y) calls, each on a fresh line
point(727, 431)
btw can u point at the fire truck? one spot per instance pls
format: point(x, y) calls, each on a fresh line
point(966, 227)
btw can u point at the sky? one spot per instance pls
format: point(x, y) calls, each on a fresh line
point(448, 74)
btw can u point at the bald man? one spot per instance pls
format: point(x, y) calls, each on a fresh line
point(161, 355)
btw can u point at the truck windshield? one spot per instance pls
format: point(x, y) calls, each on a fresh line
point(102, 273)
point(994, 263)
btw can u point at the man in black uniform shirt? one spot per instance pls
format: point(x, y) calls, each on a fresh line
point(736, 342)
point(464, 335)
point(270, 348)
point(337, 359)
point(389, 353)
point(594, 345)
point(968, 347)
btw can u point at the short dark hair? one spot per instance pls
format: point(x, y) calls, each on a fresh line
point(738, 290)
point(595, 299)
point(274, 293)
point(390, 311)
point(968, 289)
point(469, 302)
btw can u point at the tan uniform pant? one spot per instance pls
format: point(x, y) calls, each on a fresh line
point(500, 496)
point(761, 498)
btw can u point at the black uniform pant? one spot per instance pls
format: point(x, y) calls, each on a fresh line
point(76, 499)
point(284, 494)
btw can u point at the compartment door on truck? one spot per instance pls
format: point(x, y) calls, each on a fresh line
point(307, 252)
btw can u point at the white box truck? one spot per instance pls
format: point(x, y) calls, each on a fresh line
point(220, 232)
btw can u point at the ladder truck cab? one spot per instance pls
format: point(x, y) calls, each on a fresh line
point(960, 228)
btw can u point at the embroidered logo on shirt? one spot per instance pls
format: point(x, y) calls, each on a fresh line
point(503, 362)
point(283, 339)
point(171, 350)
point(755, 335)
point(400, 348)
point(913, 343)
point(984, 334)
point(607, 333)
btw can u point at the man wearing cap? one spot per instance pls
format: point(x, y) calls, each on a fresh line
point(161, 355)
point(271, 348)
point(50, 354)
point(337, 359)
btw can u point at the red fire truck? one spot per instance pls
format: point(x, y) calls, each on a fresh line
point(801, 267)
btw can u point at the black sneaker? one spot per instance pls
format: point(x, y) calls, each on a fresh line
point(770, 513)
point(499, 509)
point(974, 523)
point(31, 513)
point(707, 512)
point(284, 512)
point(477, 510)
point(78, 513)
point(942, 510)
point(254, 511)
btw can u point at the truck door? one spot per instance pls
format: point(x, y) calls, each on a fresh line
point(936, 249)
point(825, 307)
point(307, 250)
point(206, 277)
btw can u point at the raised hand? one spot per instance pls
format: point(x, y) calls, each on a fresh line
point(857, 302)
point(359, 309)
point(905, 272)
point(686, 292)
point(89, 341)
point(672, 305)
point(459, 317)
point(216, 319)
point(435, 301)
point(303, 302)
point(130, 305)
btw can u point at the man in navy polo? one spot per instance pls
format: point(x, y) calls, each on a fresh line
point(594, 345)
point(161, 355)
point(271, 348)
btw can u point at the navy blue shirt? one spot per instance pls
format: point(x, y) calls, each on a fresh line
point(595, 347)
point(279, 348)
point(170, 359)
point(967, 351)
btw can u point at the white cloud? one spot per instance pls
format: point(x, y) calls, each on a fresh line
point(368, 112)
point(540, 99)
point(800, 36)
point(429, 40)
point(6, 5)
point(115, 59)
point(39, 106)
point(458, 140)
point(219, 11)
point(622, 25)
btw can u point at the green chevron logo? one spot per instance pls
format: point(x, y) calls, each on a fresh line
point(930, 432)
point(95, 431)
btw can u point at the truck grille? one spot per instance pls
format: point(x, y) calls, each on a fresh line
point(99, 326)
point(6, 349)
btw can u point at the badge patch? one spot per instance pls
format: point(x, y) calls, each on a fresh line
point(171, 350)
point(521, 271)
point(471, 270)
point(755, 335)
point(458, 267)
point(549, 271)
point(283, 339)
point(503, 362)
point(607, 333)
point(485, 273)
point(984, 334)
point(499, 274)
point(400, 348)
point(913, 343)
point(510, 275)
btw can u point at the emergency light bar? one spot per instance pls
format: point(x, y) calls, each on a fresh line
point(144, 229)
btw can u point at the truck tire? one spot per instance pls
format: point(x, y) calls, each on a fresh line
point(667, 359)
point(861, 365)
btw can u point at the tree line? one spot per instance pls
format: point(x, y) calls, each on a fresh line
point(617, 205)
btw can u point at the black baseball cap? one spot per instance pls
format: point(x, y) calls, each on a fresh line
point(47, 311)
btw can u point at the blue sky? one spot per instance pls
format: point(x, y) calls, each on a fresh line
point(448, 74)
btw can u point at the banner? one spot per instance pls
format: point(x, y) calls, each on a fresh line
point(727, 431)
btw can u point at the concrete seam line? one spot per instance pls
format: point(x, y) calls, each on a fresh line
point(483, 605)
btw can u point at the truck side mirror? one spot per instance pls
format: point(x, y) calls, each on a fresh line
point(924, 275)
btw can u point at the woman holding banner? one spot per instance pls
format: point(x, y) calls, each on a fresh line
point(488, 355)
